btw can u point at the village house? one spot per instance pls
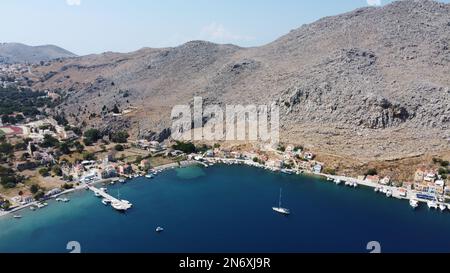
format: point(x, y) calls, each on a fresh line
point(125, 169)
point(373, 179)
point(209, 153)
point(309, 156)
point(419, 175)
point(317, 168)
point(274, 164)
point(27, 199)
point(109, 172)
point(145, 164)
point(408, 185)
point(385, 181)
point(53, 192)
point(422, 187)
point(430, 176)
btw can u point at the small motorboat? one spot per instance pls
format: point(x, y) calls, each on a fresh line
point(58, 200)
point(159, 229)
point(337, 181)
point(122, 181)
point(106, 202)
point(17, 216)
point(442, 207)
point(149, 176)
point(413, 203)
point(388, 193)
point(32, 208)
point(432, 204)
point(376, 189)
point(97, 194)
point(113, 182)
point(104, 189)
point(66, 200)
point(355, 184)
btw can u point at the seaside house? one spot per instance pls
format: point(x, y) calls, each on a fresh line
point(421, 186)
point(77, 170)
point(419, 175)
point(408, 185)
point(209, 153)
point(125, 169)
point(109, 172)
point(373, 179)
point(430, 176)
point(317, 168)
point(53, 192)
point(145, 164)
point(27, 199)
point(385, 181)
point(274, 164)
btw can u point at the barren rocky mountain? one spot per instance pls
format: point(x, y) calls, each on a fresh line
point(20, 53)
point(371, 84)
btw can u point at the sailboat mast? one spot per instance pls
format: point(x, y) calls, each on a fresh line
point(279, 203)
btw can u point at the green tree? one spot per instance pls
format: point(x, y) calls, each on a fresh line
point(119, 148)
point(64, 148)
point(34, 188)
point(88, 156)
point(44, 172)
point(49, 141)
point(185, 147)
point(371, 172)
point(6, 148)
point(79, 147)
point(91, 136)
point(56, 170)
point(120, 137)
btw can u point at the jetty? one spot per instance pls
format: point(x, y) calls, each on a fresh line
point(120, 205)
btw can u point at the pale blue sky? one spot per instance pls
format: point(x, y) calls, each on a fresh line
point(94, 26)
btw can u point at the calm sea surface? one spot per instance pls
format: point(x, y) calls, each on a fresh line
point(229, 209)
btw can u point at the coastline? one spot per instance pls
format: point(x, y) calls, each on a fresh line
point(410, 194)
point(82, 186)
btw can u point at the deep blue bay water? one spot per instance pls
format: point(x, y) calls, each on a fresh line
point(228, 209)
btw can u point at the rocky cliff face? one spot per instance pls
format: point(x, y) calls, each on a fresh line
point(372, 83)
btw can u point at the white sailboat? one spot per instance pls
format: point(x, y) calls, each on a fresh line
point(280, 209)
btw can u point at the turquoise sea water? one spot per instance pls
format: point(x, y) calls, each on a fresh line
point(228, 209)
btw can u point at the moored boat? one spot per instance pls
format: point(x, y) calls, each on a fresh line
point(442, 207)
point(413, 203)
point(432, 204)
